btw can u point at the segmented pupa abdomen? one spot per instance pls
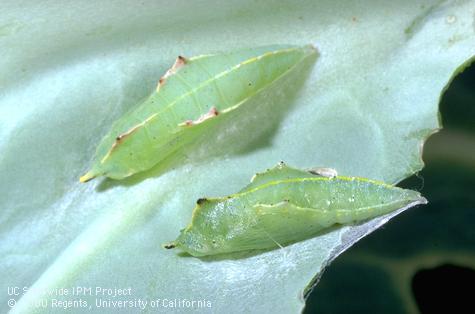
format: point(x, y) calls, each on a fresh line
point(192, 94)
point(285, 205)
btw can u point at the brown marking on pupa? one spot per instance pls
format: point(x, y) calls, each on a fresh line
point(213, 112)
point(119, 139)
point(201, 201)
point(169, 246)
point(179, 63)
point(324, 172)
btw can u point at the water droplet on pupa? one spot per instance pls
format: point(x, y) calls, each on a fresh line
point(450, 19)
point(328, 203)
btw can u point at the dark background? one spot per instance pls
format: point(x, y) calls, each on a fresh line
point(422, 261)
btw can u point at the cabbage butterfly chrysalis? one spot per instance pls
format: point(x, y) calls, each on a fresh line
point(189, 98)
point(285, 205)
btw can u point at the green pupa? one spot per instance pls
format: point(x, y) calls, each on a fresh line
point(285, 205)
point(189, 98)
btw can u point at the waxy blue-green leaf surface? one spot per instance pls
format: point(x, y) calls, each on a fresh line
point(69, 69)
